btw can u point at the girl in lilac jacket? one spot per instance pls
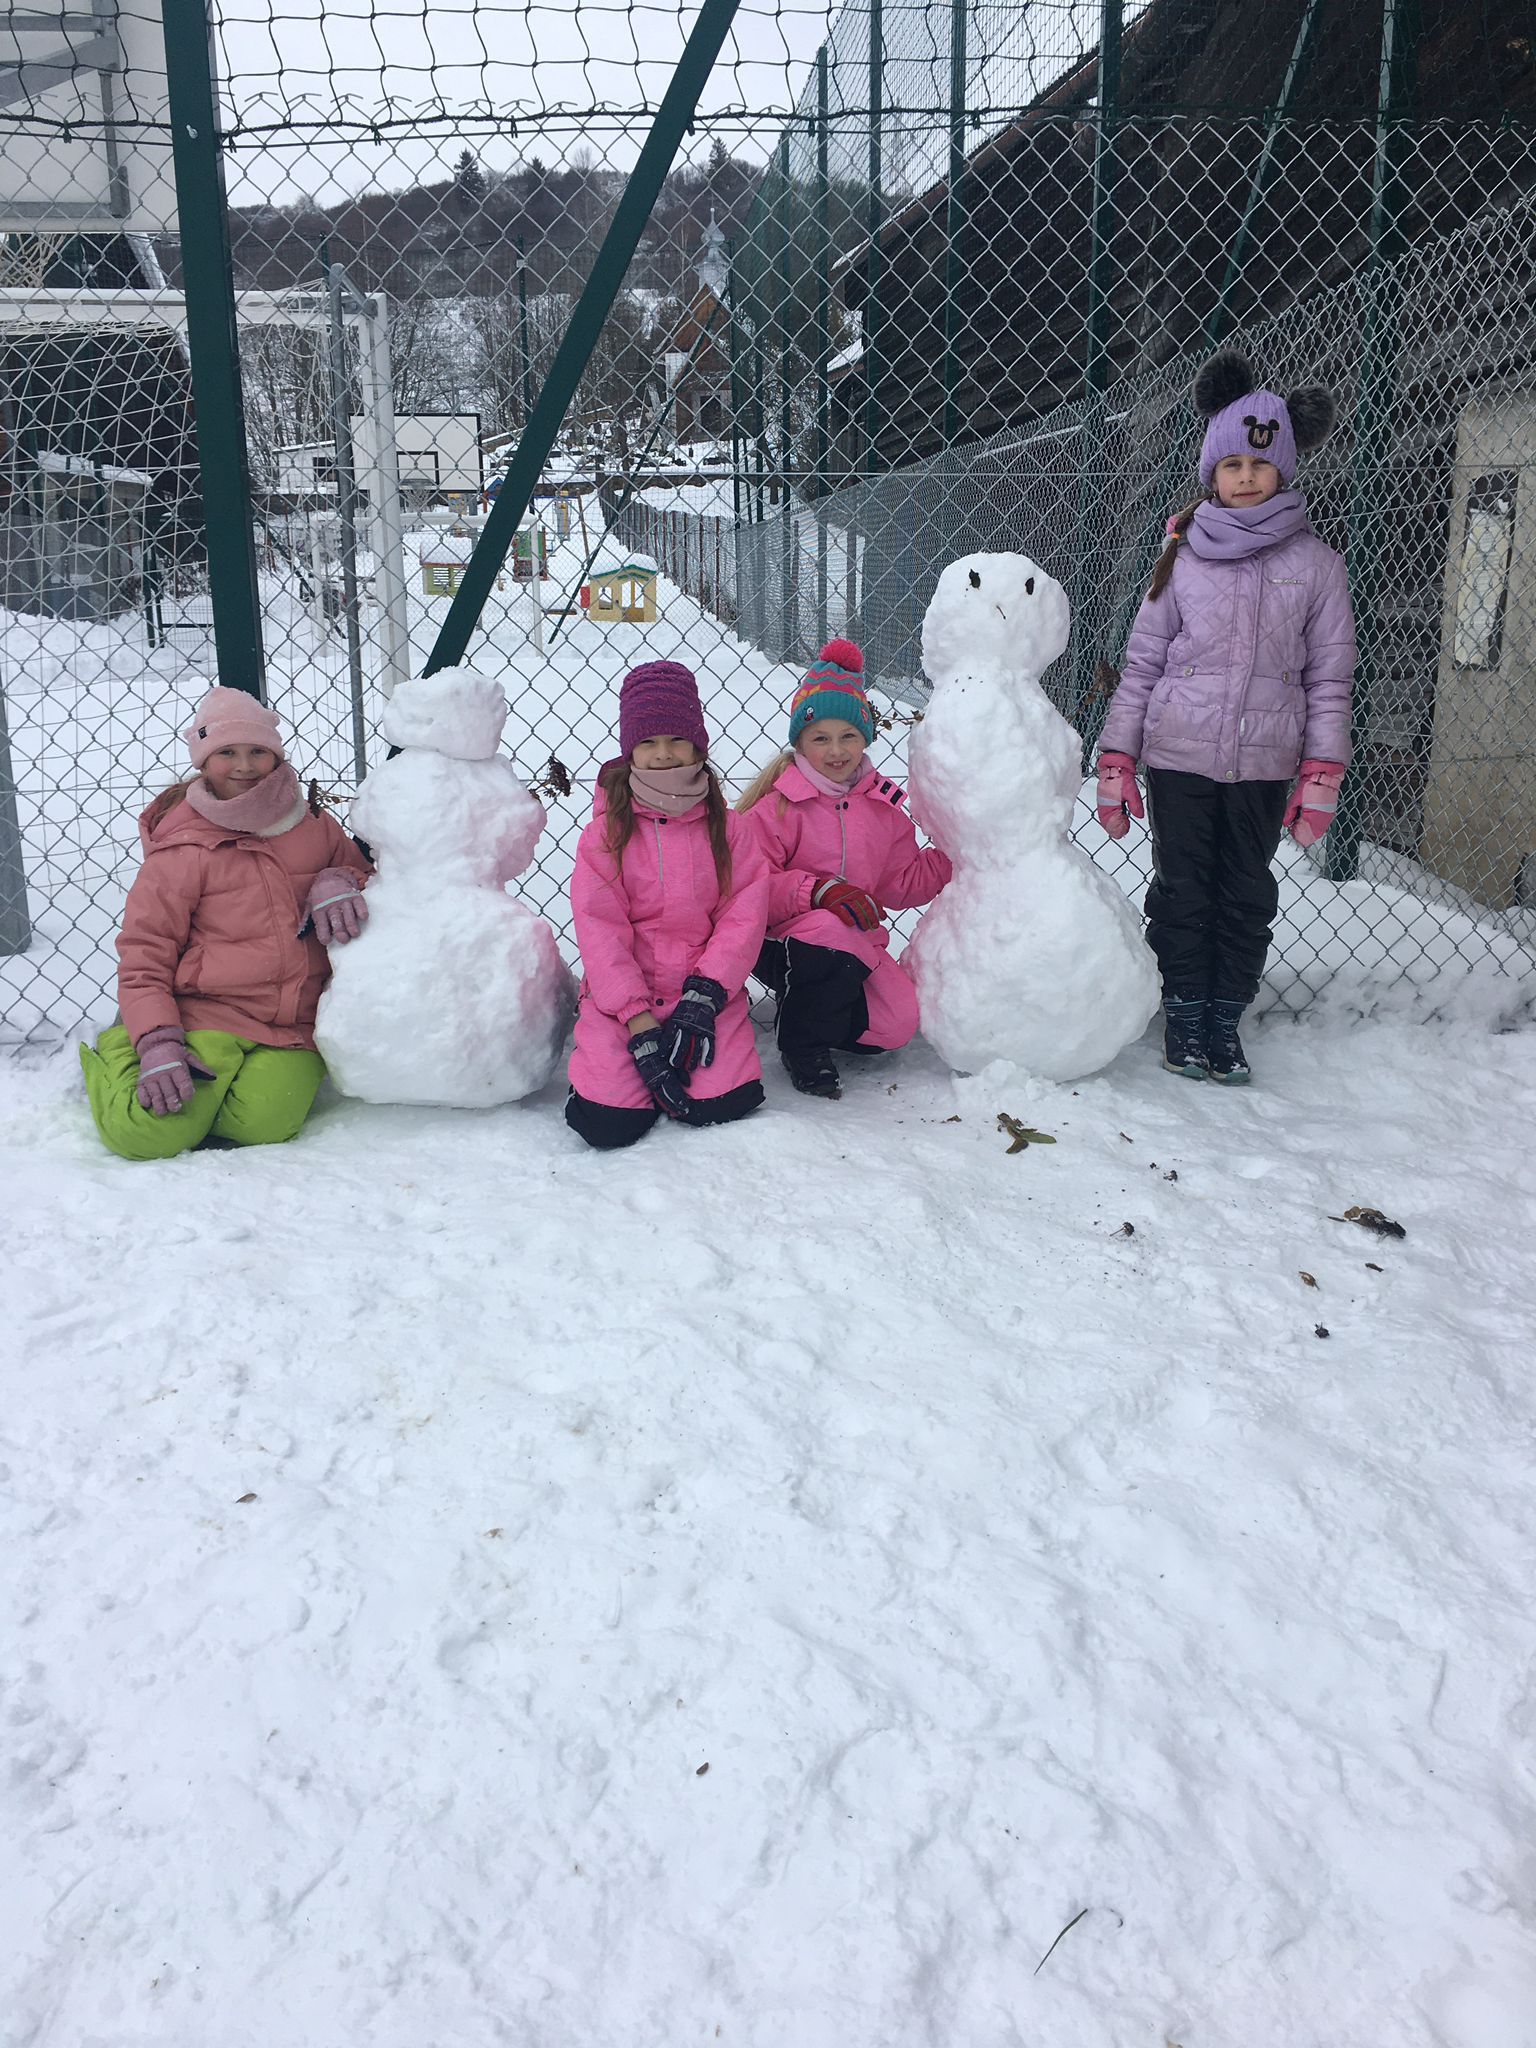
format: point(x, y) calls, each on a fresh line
point(670, 897)
point(841, 852)
point(1236, 684)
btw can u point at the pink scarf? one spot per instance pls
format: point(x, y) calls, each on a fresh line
point(826, 785)
point(269, 807)
point(672, 791)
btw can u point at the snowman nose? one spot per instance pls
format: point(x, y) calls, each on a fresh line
point(975, 579)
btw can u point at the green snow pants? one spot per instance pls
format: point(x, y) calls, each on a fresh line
point(259, 1095)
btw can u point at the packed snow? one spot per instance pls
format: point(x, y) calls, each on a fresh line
point(1031, 954)
point(765, 1588)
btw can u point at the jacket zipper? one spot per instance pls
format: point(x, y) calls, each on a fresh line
point(842, 826)
point(661, 863)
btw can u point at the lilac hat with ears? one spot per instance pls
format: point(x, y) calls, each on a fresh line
point(1246, 419)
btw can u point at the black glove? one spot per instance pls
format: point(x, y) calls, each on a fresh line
point(688, 1036)
point(669, 1091)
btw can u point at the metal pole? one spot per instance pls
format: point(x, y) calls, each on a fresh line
point(15, 917)
point(383, 473)
point(823, 333)
point(522, 329)
point(213, 346)
point(1086, 580)
point(346, 507)
point(586, 324)
point(954, 217)
point(738, 443)
point(1380, 341)
point(870, 324)
point(787, 313)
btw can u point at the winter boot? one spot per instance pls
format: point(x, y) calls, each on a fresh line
point(1224, 1049)
point(814, 1072)
point(1184, 1049)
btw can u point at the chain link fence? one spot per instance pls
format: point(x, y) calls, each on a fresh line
point(922, 280)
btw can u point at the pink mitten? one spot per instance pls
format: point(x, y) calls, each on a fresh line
point(166, 1068)
point(1119, 796)
point(1313, 801)
point(337, 906)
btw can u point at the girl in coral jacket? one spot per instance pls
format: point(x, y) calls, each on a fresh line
point(1235, 698)
point(670, 895)
point(223, 948)
point(843, 852)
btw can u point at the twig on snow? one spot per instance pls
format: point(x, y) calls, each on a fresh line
point(1052, 1949)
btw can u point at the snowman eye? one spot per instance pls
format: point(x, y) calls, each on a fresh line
point(1029, 586)
point(975, 579)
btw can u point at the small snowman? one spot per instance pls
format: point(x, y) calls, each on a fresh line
point(454, 993)
point(1031, 954)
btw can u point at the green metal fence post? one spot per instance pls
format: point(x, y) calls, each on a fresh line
point(213, 345)
point(823, 334)
point(1380, 343)
point(15, 916)
point(786, 317)
point(869, 325)
point(678, 105)
point(1086, 574)
point(738, 442)
point(522, 328)
point(954, 216)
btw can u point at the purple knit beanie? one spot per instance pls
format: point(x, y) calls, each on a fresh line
point(1247, 419)
point(660, 700)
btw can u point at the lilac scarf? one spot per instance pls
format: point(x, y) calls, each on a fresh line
point(269, 807)
point(672, 791)
point(1231, 533)
point(826, 785)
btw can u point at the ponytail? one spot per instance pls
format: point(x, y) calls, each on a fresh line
point(1178, 527)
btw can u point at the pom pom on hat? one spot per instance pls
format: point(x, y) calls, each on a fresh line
point(231, 718)
point(1313, 412)
point(1219, 383)
point(830, 688)
point(660, 700)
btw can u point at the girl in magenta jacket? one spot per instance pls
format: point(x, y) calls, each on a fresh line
point(223, 948)
point(842, 852)
point(1237, 681)
point(670, 895)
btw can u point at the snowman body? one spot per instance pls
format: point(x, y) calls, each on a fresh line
point(1031, 955)
point(454, 993)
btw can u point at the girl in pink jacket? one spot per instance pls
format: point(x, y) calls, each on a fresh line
point(670, 895)
point(842, 852)
point(223, 948)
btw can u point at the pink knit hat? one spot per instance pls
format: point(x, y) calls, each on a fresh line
point(231, 718)
point(660, 700)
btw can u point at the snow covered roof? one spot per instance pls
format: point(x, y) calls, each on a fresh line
point(447, 547)
point(56, 463)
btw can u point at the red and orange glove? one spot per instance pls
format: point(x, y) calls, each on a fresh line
point(1313, 801)
point(1119, 794)
point(854, 906)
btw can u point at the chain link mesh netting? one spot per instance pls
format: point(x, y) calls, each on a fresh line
point(914, 286)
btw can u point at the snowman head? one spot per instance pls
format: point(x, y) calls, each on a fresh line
point(456, 712)
point(994, 615)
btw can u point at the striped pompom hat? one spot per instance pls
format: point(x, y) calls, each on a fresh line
point(831, 688)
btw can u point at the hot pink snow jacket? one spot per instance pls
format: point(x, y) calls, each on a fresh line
point(643, 930)
point(1240, 669)
point(210, 934)
point(864, 837)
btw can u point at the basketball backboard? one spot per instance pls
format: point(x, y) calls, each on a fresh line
point(85, 143)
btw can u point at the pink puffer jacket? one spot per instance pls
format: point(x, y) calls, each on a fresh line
point(210, 938)
point(643, 930)
point(864, 837)
point(1240, 670)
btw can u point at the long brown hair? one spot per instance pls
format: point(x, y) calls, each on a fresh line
point(620, 821)
point(764, 780)
point(1178, 527)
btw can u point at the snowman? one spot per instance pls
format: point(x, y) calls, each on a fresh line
point(453, 993)
point(1031, 954)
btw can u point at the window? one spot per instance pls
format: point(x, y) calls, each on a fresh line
point(1482, 584)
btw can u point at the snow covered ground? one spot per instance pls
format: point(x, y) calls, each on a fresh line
point(761, 1589)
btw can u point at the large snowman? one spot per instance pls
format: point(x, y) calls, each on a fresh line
point(1031, 954)
point(453, 993)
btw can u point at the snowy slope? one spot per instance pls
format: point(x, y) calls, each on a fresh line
point(1000, 1566)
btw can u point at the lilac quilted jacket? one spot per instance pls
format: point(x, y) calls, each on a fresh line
point(1240, 670)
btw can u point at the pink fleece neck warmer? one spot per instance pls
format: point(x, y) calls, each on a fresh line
point(826, 785)
point(672, 791)
point(272, 806)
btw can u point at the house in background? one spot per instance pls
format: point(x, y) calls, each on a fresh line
point(693, 359)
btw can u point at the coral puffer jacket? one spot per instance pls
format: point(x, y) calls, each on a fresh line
point(863, 836)
point(210, 938)
point(1240, 670)
point(644, 928)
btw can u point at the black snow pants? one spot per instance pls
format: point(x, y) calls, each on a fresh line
point(821, 996)
point(1211, 906)
point(609, 1129)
